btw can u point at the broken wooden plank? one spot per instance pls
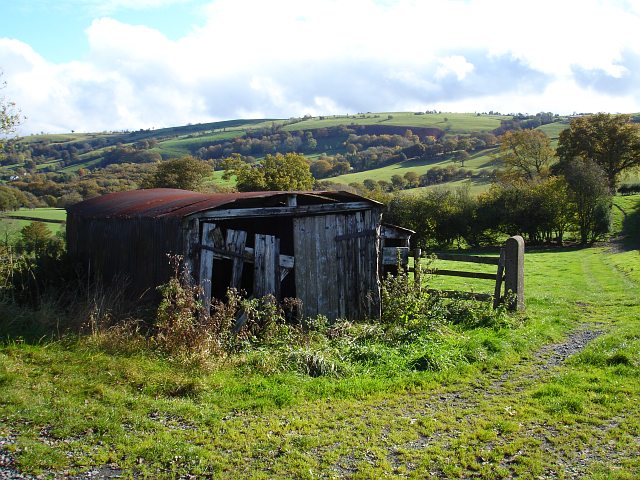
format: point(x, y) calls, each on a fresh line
point(303, 210)
point(286, 261)
point(266, 271)
point(234, 243)
point(206, 265)
point(284, 272)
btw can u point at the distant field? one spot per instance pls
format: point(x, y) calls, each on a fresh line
point(216, 179)
point(553, 129)
point(630, 178)
point(43, 214)
point(10, 227)
point(475, 163)
point(61, 137)
point(454, 123)
point(77, 166)
point(475, 187)
point(185, 145)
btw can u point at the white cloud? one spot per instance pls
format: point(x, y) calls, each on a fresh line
point(291, 57)
point(455, 65)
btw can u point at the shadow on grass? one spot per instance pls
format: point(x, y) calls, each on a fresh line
point(630, 229)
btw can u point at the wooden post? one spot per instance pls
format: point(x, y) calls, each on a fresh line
point(497, 293)
point(417, 269)
point(190, 240)
point(266, 272)
point(235, 243)
point(206, 264)
point(514, 271)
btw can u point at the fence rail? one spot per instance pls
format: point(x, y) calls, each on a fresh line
point(510, 272)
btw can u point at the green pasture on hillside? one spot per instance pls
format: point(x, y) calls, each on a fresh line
point(10, 227)
point(60, 137)
point(217, 180)
point(475, 187)
point(476, 162)
point(552, 130)
point(43, 214)
point(454, 123)
point(191, 143)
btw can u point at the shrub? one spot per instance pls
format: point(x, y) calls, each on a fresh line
point(184, 328)
point(629, 189)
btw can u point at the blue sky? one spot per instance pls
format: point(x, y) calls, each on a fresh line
point(56, 29)
point(93, 65)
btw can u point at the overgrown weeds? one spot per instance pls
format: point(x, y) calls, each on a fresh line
point(418, 330)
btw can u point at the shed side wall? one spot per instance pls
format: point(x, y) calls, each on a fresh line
point(130, 249)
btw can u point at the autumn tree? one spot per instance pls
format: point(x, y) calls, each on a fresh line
point(398, 182)
point(461, 156)
point(186, 173)
point(412, 178)
point(320, 168)
point(611, 141)
point(34, 236)
point(590, 196)
point(527, 154)
point(275, 173)
point(9, 115)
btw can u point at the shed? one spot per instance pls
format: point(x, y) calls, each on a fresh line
point(321, 247)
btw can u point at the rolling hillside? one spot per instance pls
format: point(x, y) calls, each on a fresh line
point(364, 146)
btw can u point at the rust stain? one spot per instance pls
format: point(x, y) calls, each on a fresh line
point(163, 202)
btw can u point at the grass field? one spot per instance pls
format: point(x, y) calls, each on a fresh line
point(10, 227)
point(553, 129)
point(43, 214)
point(483, 160)
point(450, 122)
point(556, 397)
point(184, 146)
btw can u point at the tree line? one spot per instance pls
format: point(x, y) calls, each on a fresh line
point(533, 195)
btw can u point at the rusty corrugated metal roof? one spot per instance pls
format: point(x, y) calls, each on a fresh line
point(158, 202)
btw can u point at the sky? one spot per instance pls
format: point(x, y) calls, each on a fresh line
point(103, 65)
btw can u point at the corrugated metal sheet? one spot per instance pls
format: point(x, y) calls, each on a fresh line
point(159, 202)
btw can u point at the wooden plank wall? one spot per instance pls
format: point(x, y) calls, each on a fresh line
point(134, 249)
point(337, 264)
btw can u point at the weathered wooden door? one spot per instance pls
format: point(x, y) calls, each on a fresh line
point(337, 265)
